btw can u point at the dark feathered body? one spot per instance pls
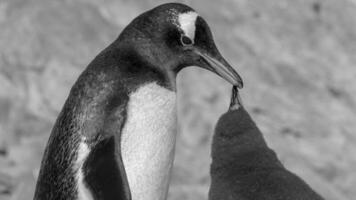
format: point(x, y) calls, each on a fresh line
point(83, 157)
point(245, 168)
point(95, 110)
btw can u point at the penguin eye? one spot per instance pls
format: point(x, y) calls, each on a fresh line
point(185, 40)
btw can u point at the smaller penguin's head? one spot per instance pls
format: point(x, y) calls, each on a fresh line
point(174, 36)
point(236, 119)
point(235, 127)
point(235, 131)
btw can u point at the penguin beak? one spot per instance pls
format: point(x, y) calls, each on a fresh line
point(235, 102)
point(220, 66)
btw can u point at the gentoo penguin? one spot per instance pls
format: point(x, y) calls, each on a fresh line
point(115, 135)
point(244, 167)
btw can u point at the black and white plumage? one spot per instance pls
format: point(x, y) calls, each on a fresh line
point(115, 135)
point(244, 167)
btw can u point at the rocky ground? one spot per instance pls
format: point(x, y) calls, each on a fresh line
point(297, 59)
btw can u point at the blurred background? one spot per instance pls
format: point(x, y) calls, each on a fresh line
point(297, 59)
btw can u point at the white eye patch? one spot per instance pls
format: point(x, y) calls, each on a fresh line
point(187, 23)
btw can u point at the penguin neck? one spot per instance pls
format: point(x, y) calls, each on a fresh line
point(150, 59)
point(148, 141)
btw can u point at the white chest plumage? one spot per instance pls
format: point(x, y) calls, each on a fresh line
point(148, 141)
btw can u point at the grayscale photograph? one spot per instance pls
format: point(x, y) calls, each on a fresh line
point(177, 100)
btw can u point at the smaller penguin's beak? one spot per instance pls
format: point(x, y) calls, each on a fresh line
point(235, 102)
point(222, 68)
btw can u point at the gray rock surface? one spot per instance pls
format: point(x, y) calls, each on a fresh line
point(297, 58)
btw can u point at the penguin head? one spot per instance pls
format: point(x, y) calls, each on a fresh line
point(236, 120)
point(235, 132)
point(173, 36)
